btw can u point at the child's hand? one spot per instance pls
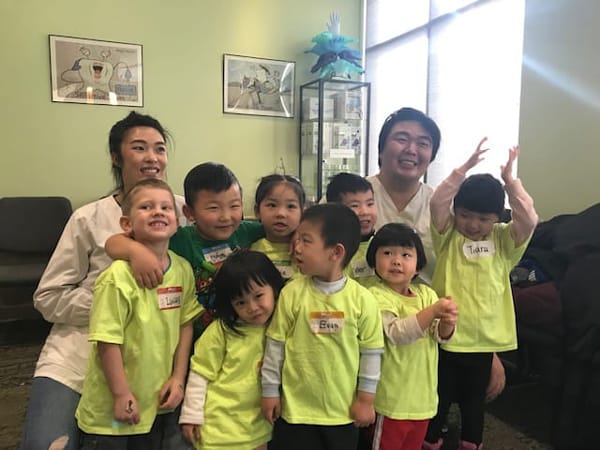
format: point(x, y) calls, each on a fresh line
point(475, 158)
point(362, 411)
point(191, 432)
point(271, 408)
point(146, 268)
point(125, 409)
point(170, 394)
point(446, 309)
point(507, 175)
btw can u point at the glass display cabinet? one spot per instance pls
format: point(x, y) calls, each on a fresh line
point(334, 132)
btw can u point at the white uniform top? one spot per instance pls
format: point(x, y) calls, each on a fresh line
point(416, 214)
point(64, 295)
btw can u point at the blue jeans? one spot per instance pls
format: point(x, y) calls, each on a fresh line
point(50, 415)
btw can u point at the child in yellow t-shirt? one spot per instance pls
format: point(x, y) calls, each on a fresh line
point(279, 202)
point(475, 255)
point(414, 321)
point(325, 335)
point(222, 400)
point(141, 337)
point(357, 194)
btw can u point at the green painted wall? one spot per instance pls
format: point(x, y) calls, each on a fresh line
point(61, 148)
point(560, 105)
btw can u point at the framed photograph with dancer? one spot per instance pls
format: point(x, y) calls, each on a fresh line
point(96, 72)
point(258, 86)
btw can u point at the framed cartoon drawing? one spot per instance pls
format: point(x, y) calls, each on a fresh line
point(96, 72)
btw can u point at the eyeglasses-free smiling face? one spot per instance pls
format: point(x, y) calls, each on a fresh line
point(407, 151)
point(256, 305)
point(152, 217)
point(217, 214)
point(363, 204)
point(143, 155)
point(396, 266)
point(473, 225)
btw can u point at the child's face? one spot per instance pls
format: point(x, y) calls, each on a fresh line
point(280, 213)
point(475, 226)
point(255, 307)
point(152, 218)
point(363, 204)
point(217, 214)
point(397, 266)
point(311, 255)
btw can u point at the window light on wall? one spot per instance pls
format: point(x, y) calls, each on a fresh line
point(460, 62)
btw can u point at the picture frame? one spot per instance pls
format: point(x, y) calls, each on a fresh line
point(96, 72)
point(258, 86)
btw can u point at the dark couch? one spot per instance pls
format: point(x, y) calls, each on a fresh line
point(558, 322)
point(29, 230)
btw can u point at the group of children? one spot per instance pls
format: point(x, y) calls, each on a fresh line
point(312, 325)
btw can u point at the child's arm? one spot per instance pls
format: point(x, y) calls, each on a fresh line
point(369, 371)
point(271, 379)
point(524, 216)
point(192, 411)
point(145, 265)
point(125, 407)
point(171, 393)
point(447, 189)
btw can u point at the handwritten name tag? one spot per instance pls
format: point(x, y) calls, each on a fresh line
point(326, 322)
point(479, 249)
point(169, 297)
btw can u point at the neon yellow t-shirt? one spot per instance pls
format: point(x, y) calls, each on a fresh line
point(476, 275)
point(231, 364)
point(358, 268)
point(279, 254)
point(322, 335)
point(407, 389)
point(146, 324)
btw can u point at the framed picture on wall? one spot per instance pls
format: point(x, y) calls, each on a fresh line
point(258, 86)
point(96, 72)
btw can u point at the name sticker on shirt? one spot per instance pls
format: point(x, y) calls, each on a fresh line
point(169, 297)
point(326, 322)
point(479, 249)
point(216, 254)
point(361, 269)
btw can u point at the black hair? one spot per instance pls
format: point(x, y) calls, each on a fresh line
point(397, 234)
point(346, 183)
point(207, 176)
point(267, 183)
point(410, 115)
point(153, 183)
point(481, 193)
point(339, 225)
point(233, 279)
point(117, 134)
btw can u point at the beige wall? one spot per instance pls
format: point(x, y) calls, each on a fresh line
point(560, 105)
point(61, 148)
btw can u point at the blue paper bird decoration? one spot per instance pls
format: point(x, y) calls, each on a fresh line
point(335, 58)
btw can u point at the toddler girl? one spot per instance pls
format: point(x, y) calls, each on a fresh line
point(278, 205)
point(222, 400)
point(414, 321)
